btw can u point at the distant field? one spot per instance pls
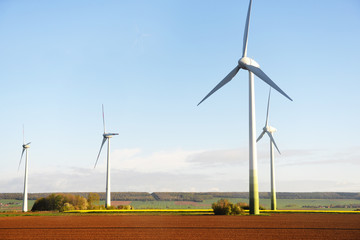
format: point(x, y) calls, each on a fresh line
point(13, 204)
point(284, 204)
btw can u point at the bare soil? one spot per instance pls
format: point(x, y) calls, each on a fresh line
point(276, 226)
point(117, 203)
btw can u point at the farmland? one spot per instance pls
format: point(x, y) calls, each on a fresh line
point(275, 226)
point(13, 204)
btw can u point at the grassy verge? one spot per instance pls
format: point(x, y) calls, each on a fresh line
point(19, 213)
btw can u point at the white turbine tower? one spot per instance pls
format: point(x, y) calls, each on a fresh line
point(25, 148)
point(106, 136)
point(269, 131)
point(253, 67)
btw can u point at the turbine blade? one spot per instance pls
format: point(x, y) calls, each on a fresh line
point(28, 143)
point(102, 144)
point(273, 141)
point(258, 72)
point(23, 134)
point(267, 112)
point(21, 157)
point(222, 83)
point(261, 135)
point(103, 116)
point(246, 31)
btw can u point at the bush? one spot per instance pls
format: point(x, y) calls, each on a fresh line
point(60, 202)
point(40, 204)
point(236, 210)
point(98, 207)
point(67, 207)
point(243, 205)
point(125, 207)
point(246, 206)
point(224, 207)
point(93, 200)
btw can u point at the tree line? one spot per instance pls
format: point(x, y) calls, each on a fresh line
point(66, 202)
point(192, 196)
point(115, 196)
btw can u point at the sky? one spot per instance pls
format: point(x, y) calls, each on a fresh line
point(150, 63)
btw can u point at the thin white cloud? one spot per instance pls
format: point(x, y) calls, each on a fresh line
point(185, 170)
point(220, 157)
point(160, 161)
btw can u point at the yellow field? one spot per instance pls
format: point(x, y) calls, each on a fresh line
point(307, 211)
point(203, 211)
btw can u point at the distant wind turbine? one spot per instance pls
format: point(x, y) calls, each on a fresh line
point(25, 149)
point(139, 38)
point(269, 131)
point(253, 67)
point(106, 136)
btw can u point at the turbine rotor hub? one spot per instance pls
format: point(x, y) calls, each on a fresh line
point(246, 61)
point(26, 146)
point(271, 129)
point(107, 135)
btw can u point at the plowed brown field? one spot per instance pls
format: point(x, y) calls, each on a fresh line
point(276, 226)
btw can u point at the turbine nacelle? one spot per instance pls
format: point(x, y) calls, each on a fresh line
point(109, 135)
point(269, 129)
point(26, 145)
point(246, 61)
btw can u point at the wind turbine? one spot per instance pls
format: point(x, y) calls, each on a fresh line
point(25, 149)
point(269, 131)
point(253, 67)
point(106, 136)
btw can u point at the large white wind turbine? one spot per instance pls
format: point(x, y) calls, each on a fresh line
point(25, 149)
point(269, 130)
point(253, 67)
point(106, 136)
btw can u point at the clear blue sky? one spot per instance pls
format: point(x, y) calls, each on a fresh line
point(150, 63)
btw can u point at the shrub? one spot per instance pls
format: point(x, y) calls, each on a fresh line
point(93, 200)
point(246, 206)
point(236, 210)
point(40, 204)
point(221, 207)
point(60, 202)
point(243, 205)
point(98, 207)
point(224, 207)
point(125, 207)
point(67, 207)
